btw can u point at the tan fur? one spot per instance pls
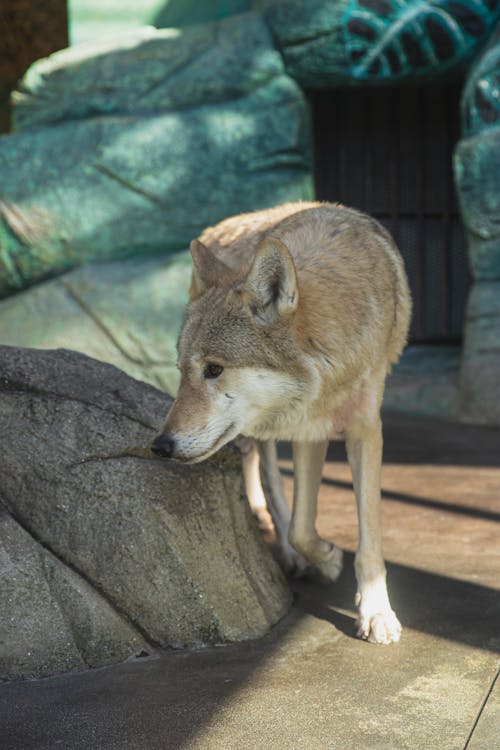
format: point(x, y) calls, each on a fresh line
point(305, 307)
point(335, 250)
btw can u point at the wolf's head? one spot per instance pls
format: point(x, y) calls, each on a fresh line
point(239, 354)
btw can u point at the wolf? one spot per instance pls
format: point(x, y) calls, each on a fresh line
point(295, 317)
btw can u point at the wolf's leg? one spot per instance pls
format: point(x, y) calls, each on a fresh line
point(376, 620)
point(272, 484)
point(253, 484)
point(308, 460)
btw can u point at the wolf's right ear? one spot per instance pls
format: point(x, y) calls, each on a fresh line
point(272, 282)
point(207, 269)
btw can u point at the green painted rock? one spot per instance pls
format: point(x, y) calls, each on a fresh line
point(477, 175)
point(106, 551)
point(328, 43)
point(481, 95)
point(425, 381)
point(128, 313)
point(183, 13)
point(170, 148)
point(480, 381)
point(149, 71)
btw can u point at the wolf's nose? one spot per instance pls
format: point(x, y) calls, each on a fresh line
point(163, 445)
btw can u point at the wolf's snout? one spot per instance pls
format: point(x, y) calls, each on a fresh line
point(163, 445)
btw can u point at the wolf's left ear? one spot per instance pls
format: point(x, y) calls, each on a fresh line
point(272, 282)
point(207, 269)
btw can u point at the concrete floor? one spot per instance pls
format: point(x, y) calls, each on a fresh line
point(310, 684)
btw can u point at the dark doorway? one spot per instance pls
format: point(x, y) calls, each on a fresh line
point(388, 151)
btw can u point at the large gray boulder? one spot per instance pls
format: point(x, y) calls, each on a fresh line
point(107, 552)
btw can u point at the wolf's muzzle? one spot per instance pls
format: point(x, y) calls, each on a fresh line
point(163, 445)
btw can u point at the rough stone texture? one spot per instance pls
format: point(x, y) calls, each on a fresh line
point(477, 174)
point(486, 731)
point(133, 183)
point(425, 381)
point(480, 103)
point(327, 44)
point(149, 71)
point(182, 13)
point(52, 620)
point(480, 375)
point(125, 549)
point(127, 313)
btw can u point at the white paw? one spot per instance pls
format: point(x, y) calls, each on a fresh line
point(330, 568)
point(380, 627)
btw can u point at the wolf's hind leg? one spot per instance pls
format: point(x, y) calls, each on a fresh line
point(308, 460)
point(272, 485)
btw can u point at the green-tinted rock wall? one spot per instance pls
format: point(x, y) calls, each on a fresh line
point(134, 148)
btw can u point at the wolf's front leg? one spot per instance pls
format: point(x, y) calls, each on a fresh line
point(377, 622)
point(308, 460)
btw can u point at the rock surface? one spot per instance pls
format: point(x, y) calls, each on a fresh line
point(425, 381)
point(376, 41)
point(127, 313)
point(477, 174)
point(52, 620)
point(148, 71)
point(480, 373)
point(327, 43)
point(182, 13)
point(106, 551)
point(480, 104)
point(477, 177)
point(172, 146)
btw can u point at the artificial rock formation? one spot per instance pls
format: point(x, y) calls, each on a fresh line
point(127, 313)
point(327, 43)
point(477, 176)
point(133, 147)
point(107, 552)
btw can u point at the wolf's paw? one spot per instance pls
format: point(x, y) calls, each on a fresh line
point(380, 627)
point(330, 568)
point(293, 563)
point(263, 518)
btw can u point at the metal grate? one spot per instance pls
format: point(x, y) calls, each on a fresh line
point(388, 151)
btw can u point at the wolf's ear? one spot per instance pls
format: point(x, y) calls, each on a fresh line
point(272, 282)
point(207, 269)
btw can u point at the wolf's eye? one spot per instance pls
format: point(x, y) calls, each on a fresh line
point(212, 371)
